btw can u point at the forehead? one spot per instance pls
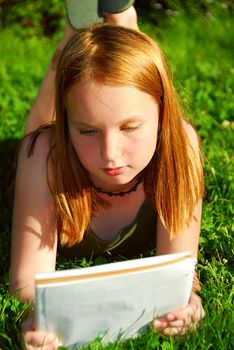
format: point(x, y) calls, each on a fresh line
point(91, 94)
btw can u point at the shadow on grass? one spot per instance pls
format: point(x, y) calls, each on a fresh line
point(7, 174)
point(11, 317)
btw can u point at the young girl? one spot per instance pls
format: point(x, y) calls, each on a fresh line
point(118, 172)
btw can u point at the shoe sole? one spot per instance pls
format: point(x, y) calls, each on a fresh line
point(81, 13)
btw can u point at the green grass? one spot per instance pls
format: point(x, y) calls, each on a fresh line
point(199, 52)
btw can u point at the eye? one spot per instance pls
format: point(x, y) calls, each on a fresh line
point(89, 132)
point(129, 128)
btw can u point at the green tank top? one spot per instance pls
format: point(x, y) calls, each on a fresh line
point(136, 239)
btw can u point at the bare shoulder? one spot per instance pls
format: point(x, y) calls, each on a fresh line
point(36, 145)
point(192, 135)
point(32, 161)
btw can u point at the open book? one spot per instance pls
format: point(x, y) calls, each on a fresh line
point(114, 301)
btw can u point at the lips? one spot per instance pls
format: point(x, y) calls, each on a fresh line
point(114, 171)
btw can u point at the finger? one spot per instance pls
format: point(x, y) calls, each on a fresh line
point(41, 347)
point(41, 339)
point(185, 314)
point(173, 331)
point(176, 323)
point(44, 347)
point(196, 304)
point(171, 317)
point(160, 324)
point(168, 322)
point(186, 317)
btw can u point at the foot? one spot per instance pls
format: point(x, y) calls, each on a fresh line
point(127, 18)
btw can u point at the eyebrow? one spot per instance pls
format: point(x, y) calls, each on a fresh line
point(125, 121)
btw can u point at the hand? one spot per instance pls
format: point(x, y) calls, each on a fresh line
point(33, 339)
point(181, 320)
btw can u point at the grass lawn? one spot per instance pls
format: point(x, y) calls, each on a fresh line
point(200, 57)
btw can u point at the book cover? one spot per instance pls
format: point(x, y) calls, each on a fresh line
point(112, 301)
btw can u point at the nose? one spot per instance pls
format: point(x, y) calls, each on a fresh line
point(110, 147)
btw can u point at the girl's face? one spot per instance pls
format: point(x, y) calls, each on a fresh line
point(114, 131)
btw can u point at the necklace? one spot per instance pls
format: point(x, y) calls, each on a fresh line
point(122, 193)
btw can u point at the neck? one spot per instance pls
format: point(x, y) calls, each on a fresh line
point(133, 188)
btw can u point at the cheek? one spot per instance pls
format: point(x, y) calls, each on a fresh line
point(145, 146)
point(147, 140)
point(85, 148)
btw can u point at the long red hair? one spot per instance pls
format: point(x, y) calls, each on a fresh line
point(173, 180)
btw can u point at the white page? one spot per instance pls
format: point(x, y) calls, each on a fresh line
point(79, 311)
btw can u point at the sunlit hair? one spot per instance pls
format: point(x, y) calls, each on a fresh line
point(173, 179)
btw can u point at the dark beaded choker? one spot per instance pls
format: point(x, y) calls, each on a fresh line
point(122, 193)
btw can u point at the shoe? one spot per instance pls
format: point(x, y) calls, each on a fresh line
point(115, 6)
point(81, 13)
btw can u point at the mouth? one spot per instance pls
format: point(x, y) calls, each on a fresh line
point(115, 171)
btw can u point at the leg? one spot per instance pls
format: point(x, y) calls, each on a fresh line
point(128, 18)
point(42, 110)
point(121, 12)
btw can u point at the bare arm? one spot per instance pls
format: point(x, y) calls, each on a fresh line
point(187, 240)
point(178, 321)
point(42, 110)
point(34, 237)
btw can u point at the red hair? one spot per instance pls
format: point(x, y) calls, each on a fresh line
point(173, 180)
